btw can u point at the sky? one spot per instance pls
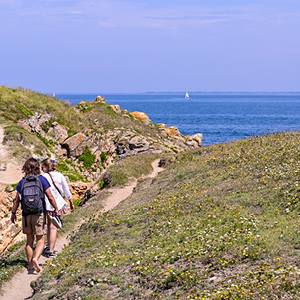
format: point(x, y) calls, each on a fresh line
point(75, 46)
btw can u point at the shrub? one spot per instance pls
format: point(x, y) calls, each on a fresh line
point(62, 167)
point(87, 158)
point(101, 184)
point(76, 202)
point(103, 157)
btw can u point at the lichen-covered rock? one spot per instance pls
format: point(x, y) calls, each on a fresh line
point(78, 188)
point(8, 231)
point(100, 99)
point(61, 152)
point(76, 144)
point(116, 108)
point(142, 117)
point(60, 132)
point(35, 122)
point(173, 132)
point(162, 125)
point(198, 137)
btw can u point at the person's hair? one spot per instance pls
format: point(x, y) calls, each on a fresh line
point(31, 167)
point(49, 164)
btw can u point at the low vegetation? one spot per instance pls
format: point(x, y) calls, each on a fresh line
point(19, 103)
point(218, 223)
point(132, 167)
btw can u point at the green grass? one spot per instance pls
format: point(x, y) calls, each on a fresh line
point(132, 167)
point(19, 103)
point(87, 158)
point(10, 264)
point(219, 223)
point(20, 142)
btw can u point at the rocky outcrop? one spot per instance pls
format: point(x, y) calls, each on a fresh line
point(116, 108)
point(76, 145)
point(78, 188)
point(100, 99)
point(9, 233)
point(60, 132)
point(106, 147)
point(35, 123)
point(142, 117)
point(173, 132)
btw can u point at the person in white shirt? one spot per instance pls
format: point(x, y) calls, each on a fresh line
point(60, 190)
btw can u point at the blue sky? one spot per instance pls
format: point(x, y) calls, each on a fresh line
point(56, 46)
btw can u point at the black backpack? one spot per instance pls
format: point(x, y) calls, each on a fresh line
point(32, 195)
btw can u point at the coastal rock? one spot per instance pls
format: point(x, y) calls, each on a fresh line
point(100, 99)
point(162, 125)
point(8, 231)
point(78, 188)
point(173, 132)
point(142, 117)
point(35, 122)
point(116, 108)
point(76, 144)
point(60, 132)
point(61, 152)
point(198, 138)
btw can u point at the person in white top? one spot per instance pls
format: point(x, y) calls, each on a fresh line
point(60, 190)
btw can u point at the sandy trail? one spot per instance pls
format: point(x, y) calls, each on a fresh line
point(19, 287)
point(9, 171)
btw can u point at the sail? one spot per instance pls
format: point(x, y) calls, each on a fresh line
point(187, 95)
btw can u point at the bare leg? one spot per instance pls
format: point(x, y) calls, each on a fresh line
point(29, 250)
point(40, 241)
point(48, 229)
point(52, 237)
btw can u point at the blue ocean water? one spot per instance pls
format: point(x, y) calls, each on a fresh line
point(219, 117)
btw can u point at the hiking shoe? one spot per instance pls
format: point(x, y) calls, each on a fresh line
point(52, 254)
point(47, 248)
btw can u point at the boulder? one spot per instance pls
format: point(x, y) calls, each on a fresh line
point(78, 188)
point(100, 99)
point(142, 117)
point(60, 132)
point(198, 137)
point(162, 125)
point(61, 152)
point(173, 132)
point(76, 144)
point(116, 108)
point(137, 142)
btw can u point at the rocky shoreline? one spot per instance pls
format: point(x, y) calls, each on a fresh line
point(105, 147)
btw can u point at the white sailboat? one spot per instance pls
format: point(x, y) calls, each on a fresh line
point(187, 95)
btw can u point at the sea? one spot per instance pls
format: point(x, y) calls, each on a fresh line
point(220, 117)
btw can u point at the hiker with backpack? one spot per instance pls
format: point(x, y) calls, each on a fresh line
point(60, 190)
point(31, 191)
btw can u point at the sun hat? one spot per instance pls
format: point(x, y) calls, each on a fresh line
point(57, 222)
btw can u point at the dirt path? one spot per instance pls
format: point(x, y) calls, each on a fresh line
point(9, 171)
point(19, 287)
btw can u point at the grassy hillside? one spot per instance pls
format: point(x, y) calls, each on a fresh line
point(93, 119)
point(16, 104)
point(219, 223)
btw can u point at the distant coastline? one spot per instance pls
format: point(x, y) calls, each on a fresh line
point(183, 93)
